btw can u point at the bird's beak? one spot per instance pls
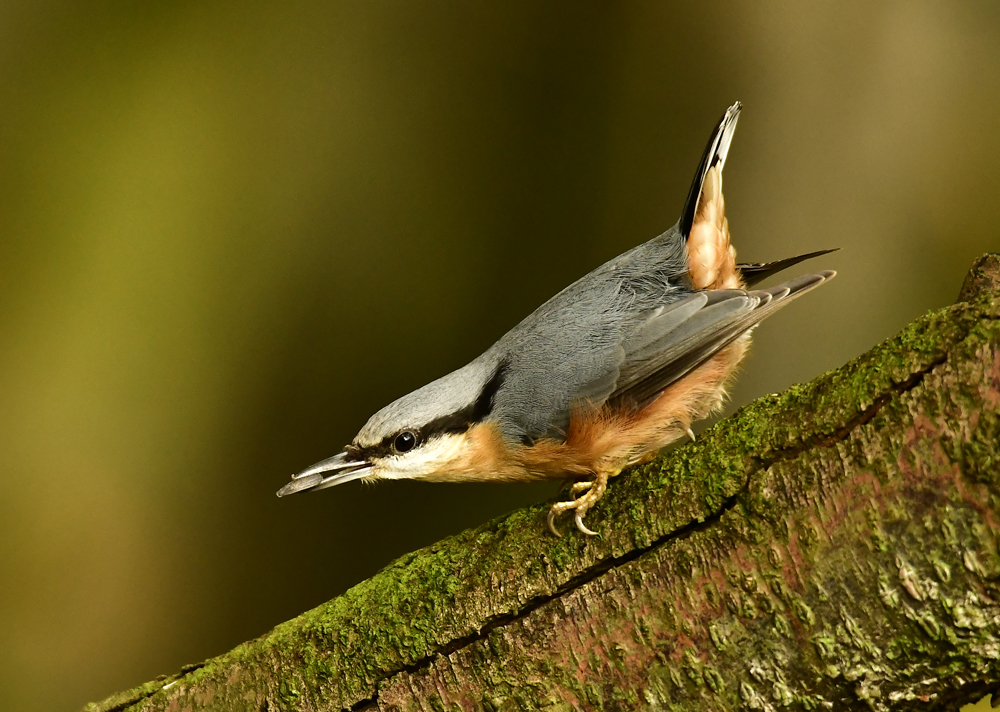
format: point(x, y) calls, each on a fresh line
point(332, 471)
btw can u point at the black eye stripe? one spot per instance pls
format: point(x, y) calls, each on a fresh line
point(485, 402)
point(457, 422)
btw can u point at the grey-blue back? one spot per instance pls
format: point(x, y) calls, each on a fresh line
point(572, 349)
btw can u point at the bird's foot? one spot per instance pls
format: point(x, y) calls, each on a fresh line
point(592, 491)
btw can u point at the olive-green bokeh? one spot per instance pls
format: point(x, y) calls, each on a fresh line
point(231, 231)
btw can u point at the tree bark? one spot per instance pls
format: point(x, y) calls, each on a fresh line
point(831, 547)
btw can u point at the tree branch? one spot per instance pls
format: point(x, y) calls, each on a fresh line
point(832, 547)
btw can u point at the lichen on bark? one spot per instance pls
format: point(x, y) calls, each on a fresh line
point(831, 547)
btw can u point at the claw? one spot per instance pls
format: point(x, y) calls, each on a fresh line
point(593, 491)
point(583, 527)
point(690, 434)
point(552, 523)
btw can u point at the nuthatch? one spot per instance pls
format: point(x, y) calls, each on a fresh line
point(602, 376)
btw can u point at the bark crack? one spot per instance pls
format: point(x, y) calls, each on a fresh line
point(861, 418)
point(600, 568)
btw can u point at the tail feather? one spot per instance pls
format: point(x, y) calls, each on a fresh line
point(715, 155)
point(756, 272)
point(711, 257)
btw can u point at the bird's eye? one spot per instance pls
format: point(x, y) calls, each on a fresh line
point(405, 441)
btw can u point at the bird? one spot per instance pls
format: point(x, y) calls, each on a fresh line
point(602, 376)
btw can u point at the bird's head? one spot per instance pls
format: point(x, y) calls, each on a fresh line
point(423, 435)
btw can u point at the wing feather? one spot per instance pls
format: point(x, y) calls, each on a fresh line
point(675, 340)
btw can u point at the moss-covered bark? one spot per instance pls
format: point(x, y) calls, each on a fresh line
point(832, 547)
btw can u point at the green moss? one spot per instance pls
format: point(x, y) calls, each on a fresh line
point(420, 603)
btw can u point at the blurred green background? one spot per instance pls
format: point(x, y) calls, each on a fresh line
point(229, 232)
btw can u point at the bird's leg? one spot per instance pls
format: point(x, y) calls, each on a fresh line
point(574, 486)
point(594, 491)
point(584, 503)
point(579, 487)
point(560, 507)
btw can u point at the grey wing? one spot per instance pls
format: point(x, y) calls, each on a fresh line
point(675, 339)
